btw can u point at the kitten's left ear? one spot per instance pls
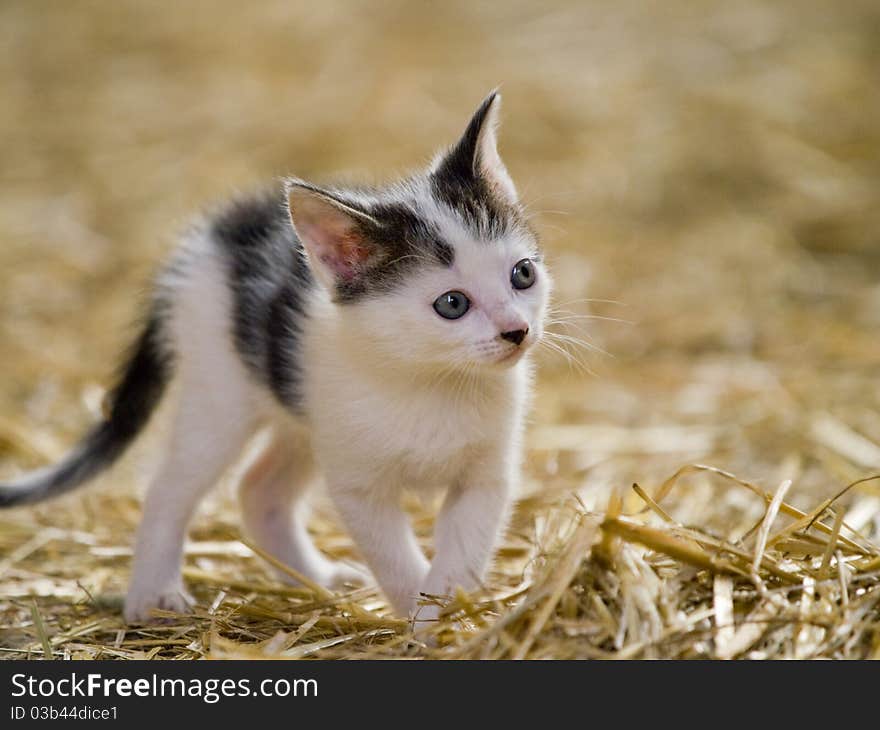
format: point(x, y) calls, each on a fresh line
point(475, 155)
point(335, 234)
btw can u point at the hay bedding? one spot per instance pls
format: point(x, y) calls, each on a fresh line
point(729, 215)
point(570, 582)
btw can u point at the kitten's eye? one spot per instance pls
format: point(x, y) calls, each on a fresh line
point(523, 274)
point(452, 305)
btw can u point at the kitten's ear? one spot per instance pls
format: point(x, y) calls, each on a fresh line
point(333, 232)
point(475, 155)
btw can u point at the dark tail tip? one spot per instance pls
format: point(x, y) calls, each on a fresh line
point(140, 389)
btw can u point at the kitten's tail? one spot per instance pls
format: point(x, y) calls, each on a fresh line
point(141, 386)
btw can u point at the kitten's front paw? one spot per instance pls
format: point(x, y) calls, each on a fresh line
point(141, 602)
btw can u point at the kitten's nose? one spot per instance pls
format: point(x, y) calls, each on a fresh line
point(515, 336)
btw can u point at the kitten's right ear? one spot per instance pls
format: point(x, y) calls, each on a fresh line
point(475, 155)
point(333, 232)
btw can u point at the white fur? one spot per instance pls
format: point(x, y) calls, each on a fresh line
point(213, 419)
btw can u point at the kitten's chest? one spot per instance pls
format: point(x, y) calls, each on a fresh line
point(424, 435)
point(432, 429)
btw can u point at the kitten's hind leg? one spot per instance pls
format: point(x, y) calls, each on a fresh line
point(208, 433)
point(275, 511)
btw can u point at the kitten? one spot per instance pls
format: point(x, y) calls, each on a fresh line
point(382, 336)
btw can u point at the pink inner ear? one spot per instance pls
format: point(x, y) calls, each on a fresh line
point(336, 243)
point(346, 257)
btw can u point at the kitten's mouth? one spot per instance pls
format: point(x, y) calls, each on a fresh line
point(511, 356)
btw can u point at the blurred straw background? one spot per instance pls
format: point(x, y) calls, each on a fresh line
point(706, 173)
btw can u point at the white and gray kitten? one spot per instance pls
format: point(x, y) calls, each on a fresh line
point(383, 339)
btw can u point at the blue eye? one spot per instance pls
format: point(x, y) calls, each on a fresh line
point(523, 274)
point(452, 305)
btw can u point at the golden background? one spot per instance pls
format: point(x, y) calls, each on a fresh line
point(707, 172)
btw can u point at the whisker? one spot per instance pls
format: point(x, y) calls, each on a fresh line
point(572, 361)
point(578, 342)
point(589, 300)
point(567, 316)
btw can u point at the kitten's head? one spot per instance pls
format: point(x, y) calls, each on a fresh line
point(438, 271)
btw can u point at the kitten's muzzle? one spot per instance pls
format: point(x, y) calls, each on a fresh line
point(515, 336)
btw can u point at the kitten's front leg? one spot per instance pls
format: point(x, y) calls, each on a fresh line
point(384, 535)
point(467, 530)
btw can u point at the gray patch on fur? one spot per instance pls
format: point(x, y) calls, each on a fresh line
point(270, 281)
